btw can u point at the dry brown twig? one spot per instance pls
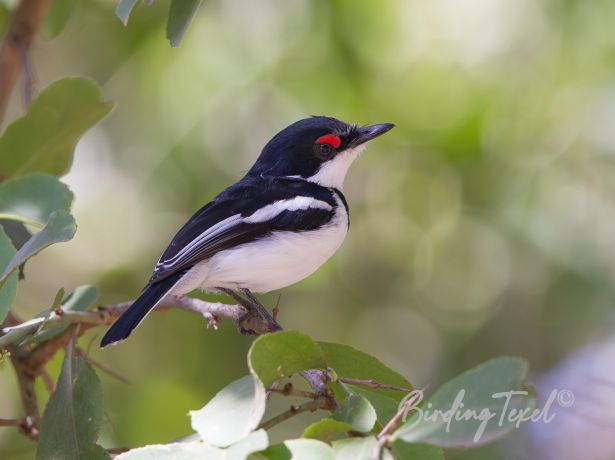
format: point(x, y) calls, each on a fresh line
point(323, 402)
point(14, 51)
point(29, 360)
point(108, 314)
point(413, 399)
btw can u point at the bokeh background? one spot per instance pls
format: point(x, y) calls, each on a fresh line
point(482, 225)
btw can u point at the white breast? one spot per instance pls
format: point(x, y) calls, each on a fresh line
point(274, 262)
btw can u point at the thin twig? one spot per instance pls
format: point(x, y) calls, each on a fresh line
point(10, 421)
point(81, 353)
point(29, 80)
point(22, 29)
point(373, 384)
point(276, 310)
point(290, 390)
point(321, 402)
point(413, 399)
point(48, 381)
point(108, 314)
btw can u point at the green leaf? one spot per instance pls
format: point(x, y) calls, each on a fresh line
point(44, 139)
point(359, 449)
point(60, 227)
point(299, 449)
point(349, 362)
point(175, 451)
point(241, 450)
point(482, 392)
point(78, 300)
point(282, 354)
point(123, 10)
point(57, 17)
point(181, 13)
point(32, 199)
point(327, 430)
point(9, 289)
point(71, 422)
point(404, 451)
point(385, 406)
point(255, 441)
point(232, 414)
point(357, 412)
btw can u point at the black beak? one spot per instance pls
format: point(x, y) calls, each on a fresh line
point(367, 133)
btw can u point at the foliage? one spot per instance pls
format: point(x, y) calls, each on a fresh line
point(44, 139)
point(73, 415)
point(458, 189)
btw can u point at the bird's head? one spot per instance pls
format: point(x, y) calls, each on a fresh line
point(319, 149)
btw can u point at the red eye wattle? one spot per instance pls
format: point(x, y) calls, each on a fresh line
point(330, 139)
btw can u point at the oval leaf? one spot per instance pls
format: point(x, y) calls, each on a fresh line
point(360, 449)
point(181, 14)
point(32, 199)
point(351, 363)
point(483, 392)
point(232, 414)
point(73, 414)
point(60, 227)
point(327, 430)
point(44, 139)
point(195, 450)
point(299, 449)
point(9, 289)
point(282, 354)
point(385, 406)
point(357, 412)
point(123, 10)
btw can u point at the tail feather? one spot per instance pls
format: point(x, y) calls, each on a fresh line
point(131, 318)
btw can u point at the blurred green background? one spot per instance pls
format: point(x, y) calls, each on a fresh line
point(483, 225)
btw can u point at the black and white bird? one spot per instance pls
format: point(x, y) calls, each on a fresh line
point(274, 227)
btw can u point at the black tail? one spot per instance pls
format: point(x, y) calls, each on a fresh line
point(131, 318)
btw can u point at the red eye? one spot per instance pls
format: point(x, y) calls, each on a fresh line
point(330, 139)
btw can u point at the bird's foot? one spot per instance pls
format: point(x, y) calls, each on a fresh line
point(254, 324)
point(257, 320)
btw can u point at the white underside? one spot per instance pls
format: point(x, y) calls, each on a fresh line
point(284, 257)
point(271, 263)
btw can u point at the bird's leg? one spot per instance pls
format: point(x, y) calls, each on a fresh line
point(262, 311)
point(257, 320)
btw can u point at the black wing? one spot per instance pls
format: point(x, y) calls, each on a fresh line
point(245, 212)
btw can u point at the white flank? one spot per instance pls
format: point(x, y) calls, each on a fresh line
point(333, 172)
point(273, 262)
point(263, 214)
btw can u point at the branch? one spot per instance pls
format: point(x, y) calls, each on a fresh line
point(290, 390)
point(322, 402)
point(21, 31)
point(10, 422)
point(373, 384)
point(414, 398)
point(108, 314)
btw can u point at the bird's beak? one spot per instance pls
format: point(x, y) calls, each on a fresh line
point(367, 133)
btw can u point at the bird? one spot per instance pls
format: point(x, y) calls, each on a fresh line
point(274, 227)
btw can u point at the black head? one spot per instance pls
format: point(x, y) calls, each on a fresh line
point(311, 145)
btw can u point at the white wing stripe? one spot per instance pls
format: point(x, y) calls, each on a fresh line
point(272, 210)
point(261, 215)
point(214, 230)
